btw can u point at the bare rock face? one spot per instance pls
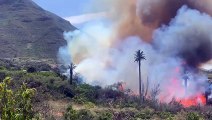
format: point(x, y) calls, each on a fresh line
point(27, 30)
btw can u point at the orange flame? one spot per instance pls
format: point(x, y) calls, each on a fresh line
point(175, 87)
point(193, 101)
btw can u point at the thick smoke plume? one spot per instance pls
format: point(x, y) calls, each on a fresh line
point(174, 35)
point(188, 36)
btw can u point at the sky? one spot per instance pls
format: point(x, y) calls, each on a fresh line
point(77, 12)
point(64, 8)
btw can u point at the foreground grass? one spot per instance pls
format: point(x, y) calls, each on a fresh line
point(82, 112)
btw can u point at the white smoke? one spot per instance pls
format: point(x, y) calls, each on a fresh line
point(104, 61)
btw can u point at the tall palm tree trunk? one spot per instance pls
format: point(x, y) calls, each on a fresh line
point(140, 94)
point(71, 67)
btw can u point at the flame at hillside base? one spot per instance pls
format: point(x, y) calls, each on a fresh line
point(199, 99)
point(103, 50)
point(195, 100)
point(185, 99)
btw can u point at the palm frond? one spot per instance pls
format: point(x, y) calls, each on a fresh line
point(139, 55)
point(72, 66)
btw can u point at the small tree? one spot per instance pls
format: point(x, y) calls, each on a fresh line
point(139, 55)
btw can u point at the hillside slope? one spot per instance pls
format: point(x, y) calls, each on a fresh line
point(26, 30)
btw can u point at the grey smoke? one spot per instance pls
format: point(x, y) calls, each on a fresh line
point(187, 38)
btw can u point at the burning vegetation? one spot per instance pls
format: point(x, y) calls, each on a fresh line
point(174, 36)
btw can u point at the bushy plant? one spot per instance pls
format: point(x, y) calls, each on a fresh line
point(71, 114)
point(90, 93)
point(80, 99)
point(147, 114)
point(85, 114)
point(25, 96)
point(47, 74)
point(166, 115)
point(106, 116)
point(143, 116)
point(193, 116)
point(89, 105)
point(15, 105)
point(2, 68)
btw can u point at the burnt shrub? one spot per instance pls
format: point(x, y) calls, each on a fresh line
point(31, 70)
point(129, 101)
point(39, 66)
point(68, 92)
point(114, 94)
point(172, 107)
point(34, 84)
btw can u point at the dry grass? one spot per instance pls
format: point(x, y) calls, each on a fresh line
point(58, 108)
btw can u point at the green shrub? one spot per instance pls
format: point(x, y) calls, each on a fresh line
point(47, 74)
point(2, 68)
point(85, 115)
point(71, 114)
point(106, 116)
point(15, 105)
point(87, 91)
point(193, 116)
point(80, 99)
point(89, 105)
point(166, 115)
point(144, 115)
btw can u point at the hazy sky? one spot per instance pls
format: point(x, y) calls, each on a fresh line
point(64, 8)
point(77, 12)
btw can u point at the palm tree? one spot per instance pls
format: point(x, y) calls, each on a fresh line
point(139, 55)
point(71, 67)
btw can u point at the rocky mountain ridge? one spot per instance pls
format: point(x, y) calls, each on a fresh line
point(27, 30)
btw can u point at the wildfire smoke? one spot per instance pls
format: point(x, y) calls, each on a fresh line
point(170, 32)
